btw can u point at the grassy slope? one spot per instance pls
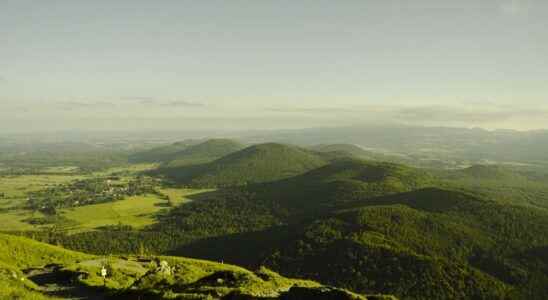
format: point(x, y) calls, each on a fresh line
point(130, 279)
point(23, 253)
point(17, 253)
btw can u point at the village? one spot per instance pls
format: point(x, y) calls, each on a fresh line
point(87, 192)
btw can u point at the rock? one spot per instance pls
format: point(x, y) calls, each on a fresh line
point(320, 293)
point(165, 269)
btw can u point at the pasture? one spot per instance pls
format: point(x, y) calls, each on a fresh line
point(15, 188)
point(136, 211)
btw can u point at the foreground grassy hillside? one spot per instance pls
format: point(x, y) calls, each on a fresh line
point(18, 254)
point(36, 271)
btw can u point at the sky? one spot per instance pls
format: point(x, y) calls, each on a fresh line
point(149, 65)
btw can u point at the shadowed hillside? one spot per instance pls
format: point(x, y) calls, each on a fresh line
point(366, 216)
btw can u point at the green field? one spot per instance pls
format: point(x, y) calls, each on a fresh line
point(13, 220)
point(16, 188)
point(19, 186)
point(137, 211)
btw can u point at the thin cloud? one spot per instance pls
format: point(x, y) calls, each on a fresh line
point(183, 103)
point(3, 79)
point(139, 99)
point(513, 7)
point(466, 115)
point(75, 105)
point(324, 110)
point(152, 101)
point(486, 113)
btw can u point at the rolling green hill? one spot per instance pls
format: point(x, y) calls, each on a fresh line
point(367, 226)
point(339, 182)
point(188, 152)
point(205, 152)
point(258, 163)
point(362, 218)
point(31, 270)
point(162, 153)
point(500, 183)
point(425, 244)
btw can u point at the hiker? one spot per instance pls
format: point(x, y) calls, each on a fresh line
point(104, 275)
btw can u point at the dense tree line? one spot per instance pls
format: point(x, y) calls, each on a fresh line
point(370, 227)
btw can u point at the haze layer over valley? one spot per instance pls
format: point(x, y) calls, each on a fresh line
point(291, 150)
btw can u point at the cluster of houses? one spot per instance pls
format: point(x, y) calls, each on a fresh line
point(88, 191)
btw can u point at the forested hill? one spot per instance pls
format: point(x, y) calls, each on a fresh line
point(254, 164)
point(188, 152)
point(427, 243)
point(161, 153)
point(367, 226)
point(31, 270)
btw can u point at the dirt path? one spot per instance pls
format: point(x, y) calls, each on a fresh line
point(55, 282)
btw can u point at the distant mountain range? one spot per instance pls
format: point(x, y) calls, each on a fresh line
point(421, 145)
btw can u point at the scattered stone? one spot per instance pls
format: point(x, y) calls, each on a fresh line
point(320, 293)
point(165, 269)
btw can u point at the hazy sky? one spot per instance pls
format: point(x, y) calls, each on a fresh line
point(124, 64)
